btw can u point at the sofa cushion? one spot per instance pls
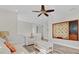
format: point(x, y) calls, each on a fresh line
point(10, 46)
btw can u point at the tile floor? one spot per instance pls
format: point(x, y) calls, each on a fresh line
point(64, 50)
point(57, 49)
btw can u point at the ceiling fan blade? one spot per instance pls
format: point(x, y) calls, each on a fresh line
point(50, 10)
point(39, 14)
point(46, 14)
point(42, 7)
point(36, 11)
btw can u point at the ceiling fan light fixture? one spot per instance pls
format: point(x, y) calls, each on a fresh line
point(43, 11)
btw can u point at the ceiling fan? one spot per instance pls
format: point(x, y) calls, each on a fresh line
point(43, 11)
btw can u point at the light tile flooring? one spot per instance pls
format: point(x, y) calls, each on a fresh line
point(59, 49)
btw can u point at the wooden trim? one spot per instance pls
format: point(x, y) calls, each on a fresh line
point(65, 21)
point(52, 31)
point(77, 29)
point(69, 29)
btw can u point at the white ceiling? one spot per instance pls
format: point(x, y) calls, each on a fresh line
point(61, 12)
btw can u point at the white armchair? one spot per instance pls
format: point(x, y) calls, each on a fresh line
point(43, 46)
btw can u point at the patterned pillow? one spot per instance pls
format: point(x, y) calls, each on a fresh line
point(10, 46)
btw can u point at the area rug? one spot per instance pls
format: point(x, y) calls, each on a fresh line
point(31, 49)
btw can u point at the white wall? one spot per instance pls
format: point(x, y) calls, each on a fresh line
point(62, 15)
point(69, 43)
point(8, 21)
point(24, 27)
